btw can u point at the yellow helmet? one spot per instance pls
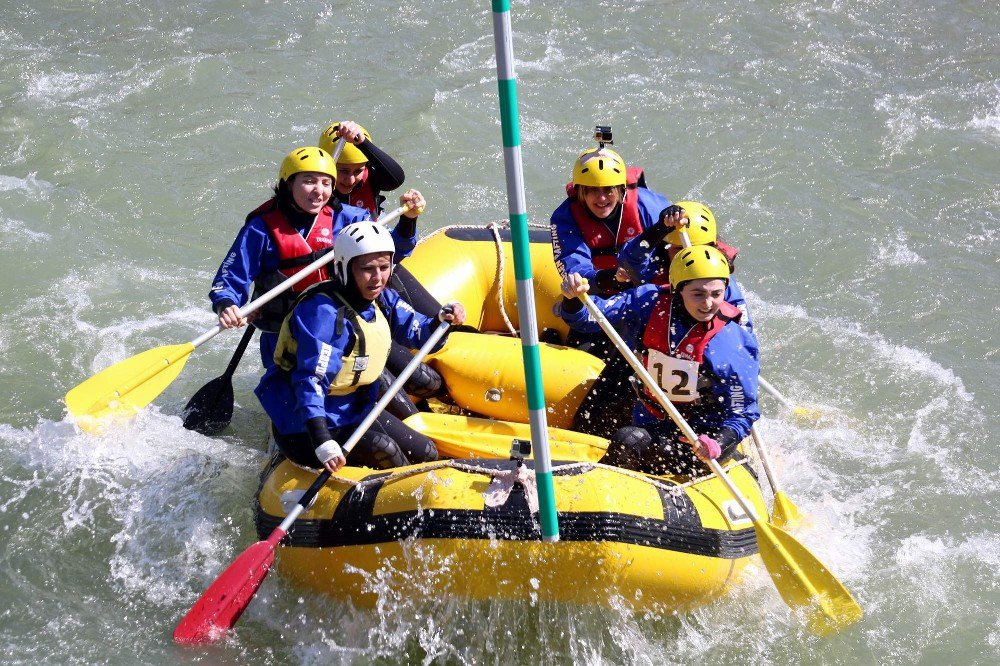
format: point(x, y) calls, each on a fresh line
point(351, 154)
point(307, 158)
point(599, 167)
point(695, 263)
point(701, 227)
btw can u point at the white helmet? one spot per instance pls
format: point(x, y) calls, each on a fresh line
point(355, 240)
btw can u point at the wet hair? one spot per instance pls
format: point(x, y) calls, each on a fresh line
point(283, 190)
point(581, 191)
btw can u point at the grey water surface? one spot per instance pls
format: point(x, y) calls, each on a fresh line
point(849, 148)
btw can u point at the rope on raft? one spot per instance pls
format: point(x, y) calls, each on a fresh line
point(494, 228)
point(490, 471)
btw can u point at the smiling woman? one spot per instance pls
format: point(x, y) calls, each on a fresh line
point(694, 347)
point(311, 190)
point(282, 236)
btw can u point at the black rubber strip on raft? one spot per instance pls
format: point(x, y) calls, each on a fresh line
point(353, 524)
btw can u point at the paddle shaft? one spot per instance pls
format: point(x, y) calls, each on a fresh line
point(640, 370)
point(240, 349)
point(764, 459)
point(338, 149)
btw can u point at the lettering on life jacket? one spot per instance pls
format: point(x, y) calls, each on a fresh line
point(365, 356)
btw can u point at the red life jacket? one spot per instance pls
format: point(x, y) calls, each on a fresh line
point(660, 276)
point(294, 254)
point(598, 236)
point(363, 196)
point(656, 337)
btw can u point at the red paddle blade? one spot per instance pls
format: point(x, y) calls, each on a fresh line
point(218, 609)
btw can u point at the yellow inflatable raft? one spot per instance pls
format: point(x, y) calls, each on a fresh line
point(468, 525)
point(469, 528)
point(484, 374)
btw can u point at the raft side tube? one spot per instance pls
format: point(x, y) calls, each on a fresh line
point(462, 264)
point(485, 374)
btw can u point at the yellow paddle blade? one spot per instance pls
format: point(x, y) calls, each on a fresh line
point(470, 437)
point(808, 413)
point(127, 386)
point(804, 583)
point(784, 513)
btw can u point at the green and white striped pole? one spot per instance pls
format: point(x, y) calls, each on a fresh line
point(511, 130)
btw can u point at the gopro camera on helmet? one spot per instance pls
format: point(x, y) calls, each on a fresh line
point(519, 450)
point(602, 134)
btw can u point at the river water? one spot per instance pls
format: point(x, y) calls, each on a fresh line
point(850, 149)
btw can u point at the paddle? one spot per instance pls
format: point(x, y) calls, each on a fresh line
point(807, 412)
point(211, 408)
point(221, 605)
point(802, 580)
point(784, 512)
point(129, 385)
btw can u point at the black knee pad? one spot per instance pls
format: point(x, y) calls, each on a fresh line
point(629, 447)
point(379, 451)
point(425, 382)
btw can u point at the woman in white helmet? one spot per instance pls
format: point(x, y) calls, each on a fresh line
point(692, 344)
point(331, 351)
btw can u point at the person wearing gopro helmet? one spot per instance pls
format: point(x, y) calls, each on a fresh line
point(284, 234)
point(692, 344)
point(331, 350)
point(364, 170)
point(606, 205)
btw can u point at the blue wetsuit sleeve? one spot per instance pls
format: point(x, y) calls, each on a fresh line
point(636, 255)
point(409, 327)
point(650, 205)
point(319, 356)
point(627, 312)
point(570, 251)
point(242, 264)
point(732, 358)
point(636, 258)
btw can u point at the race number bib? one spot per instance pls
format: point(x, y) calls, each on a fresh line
point(677, 377)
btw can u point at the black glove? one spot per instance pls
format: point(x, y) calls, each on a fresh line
point(670, 211)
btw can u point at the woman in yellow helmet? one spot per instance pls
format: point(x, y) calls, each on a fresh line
point(692, 344)
point(364, 170)
point(287, 232)
point(607, 205)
